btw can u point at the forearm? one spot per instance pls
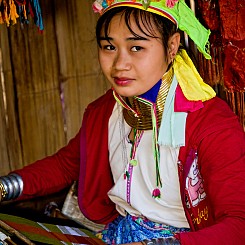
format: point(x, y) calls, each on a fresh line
point(46, 176)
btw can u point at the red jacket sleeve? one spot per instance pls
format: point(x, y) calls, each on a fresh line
point(53, 173)
point(221, 159)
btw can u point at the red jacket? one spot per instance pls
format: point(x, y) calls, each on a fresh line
point(213, 133)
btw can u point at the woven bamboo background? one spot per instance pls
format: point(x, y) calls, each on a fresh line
point(48, 80)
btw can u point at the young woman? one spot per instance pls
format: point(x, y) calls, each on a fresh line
point(161, 158)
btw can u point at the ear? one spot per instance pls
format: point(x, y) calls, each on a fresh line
point(173, 46)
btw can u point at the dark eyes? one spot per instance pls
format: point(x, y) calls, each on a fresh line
point(136, 48)
point(111, 48)
point(108, 47)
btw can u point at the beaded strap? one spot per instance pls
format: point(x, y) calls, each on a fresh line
point(11, 187)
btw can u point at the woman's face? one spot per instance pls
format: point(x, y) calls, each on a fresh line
point(132, 65)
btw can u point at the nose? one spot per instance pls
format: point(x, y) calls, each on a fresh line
point(122, 61)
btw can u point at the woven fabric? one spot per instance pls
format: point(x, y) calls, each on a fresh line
point(134, 229)
point(50, 233)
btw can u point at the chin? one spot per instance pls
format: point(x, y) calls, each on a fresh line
point(125, 94)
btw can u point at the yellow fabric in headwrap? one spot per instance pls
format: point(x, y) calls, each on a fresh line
point(191, 83)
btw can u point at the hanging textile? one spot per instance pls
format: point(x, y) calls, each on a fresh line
point(11, 10)
point(225, 18)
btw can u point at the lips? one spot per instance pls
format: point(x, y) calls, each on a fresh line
point(123, 81)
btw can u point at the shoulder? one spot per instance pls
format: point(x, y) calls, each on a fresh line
point(100, 109)
point(102, 100)
point(218, 107)
point(215, 116)
point(215, 113)
point(215, 107)
point(104, 104)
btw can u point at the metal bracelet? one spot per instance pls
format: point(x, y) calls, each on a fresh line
point(18, 183)
point(161, 241)
point(3, 191)
point(148, 242)
point(13, 186)
point(8, 186)
point(171, 241)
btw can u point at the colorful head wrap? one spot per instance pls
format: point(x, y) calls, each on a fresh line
point(175, 10)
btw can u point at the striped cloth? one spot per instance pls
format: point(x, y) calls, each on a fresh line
point(50, 233)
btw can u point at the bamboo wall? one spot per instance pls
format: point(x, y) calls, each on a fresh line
point(48, 80)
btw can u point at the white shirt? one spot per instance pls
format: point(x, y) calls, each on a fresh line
point(166, 210)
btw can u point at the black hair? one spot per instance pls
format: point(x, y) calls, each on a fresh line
point(142, 19)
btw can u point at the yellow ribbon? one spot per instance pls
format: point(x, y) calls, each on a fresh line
point(191, 83)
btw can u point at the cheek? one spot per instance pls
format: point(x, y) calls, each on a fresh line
point(103, 63)
point(100, 57)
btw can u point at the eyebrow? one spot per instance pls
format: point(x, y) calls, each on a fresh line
point(128, 39)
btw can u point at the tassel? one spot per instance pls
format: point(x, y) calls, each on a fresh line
point(13, 13)
point(1, 13)
point(5, 9)
point(156, 193)
point(36, 10)
point(11, 10)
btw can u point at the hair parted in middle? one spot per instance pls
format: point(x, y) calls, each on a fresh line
point(147, 23)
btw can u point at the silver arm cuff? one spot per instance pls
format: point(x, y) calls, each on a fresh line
point(161, 241)
point(13, 185)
